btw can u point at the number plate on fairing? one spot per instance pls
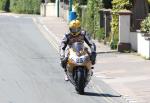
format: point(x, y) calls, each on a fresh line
point(79, 60)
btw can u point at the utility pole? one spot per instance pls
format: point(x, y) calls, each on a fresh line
point(57, 5)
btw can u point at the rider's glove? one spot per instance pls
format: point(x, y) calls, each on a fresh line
point(64, 62)
point(62, 54)
point(62, 57)
point(93, 57)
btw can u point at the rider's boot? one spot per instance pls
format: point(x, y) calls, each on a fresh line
point(66, 77)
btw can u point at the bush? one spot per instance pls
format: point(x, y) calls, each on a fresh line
point(91, 21)
point(148, 1)
point(4, 5)
point(100, 34)
point(145, 25)
point(90, 17)
point(25, 6)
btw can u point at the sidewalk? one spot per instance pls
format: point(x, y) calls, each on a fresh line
point(128, 74)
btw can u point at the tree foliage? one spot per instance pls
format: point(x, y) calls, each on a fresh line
point(145, 25)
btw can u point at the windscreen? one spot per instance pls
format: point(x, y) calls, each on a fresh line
point(77, 47)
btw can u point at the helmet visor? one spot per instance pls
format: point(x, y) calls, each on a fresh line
point(75, 30)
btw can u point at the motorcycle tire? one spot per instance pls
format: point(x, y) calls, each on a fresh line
point(80, 80)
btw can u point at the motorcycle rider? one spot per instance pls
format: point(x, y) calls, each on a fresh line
point(75, 35)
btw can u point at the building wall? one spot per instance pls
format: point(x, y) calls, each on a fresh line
point(63, 10)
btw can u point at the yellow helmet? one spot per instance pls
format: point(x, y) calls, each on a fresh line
point(75, 27)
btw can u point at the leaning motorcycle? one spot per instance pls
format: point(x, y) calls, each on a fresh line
point(79, 66)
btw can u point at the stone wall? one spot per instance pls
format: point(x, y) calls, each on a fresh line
point(136, 41)
point(48, 9)
point(143, 45)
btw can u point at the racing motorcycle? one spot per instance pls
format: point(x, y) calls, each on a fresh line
point(79, 66)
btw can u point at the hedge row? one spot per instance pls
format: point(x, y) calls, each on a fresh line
point(4, 5)
point(90, 18)
point(21, 6)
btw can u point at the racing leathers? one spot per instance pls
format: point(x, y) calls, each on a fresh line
point(69, 39)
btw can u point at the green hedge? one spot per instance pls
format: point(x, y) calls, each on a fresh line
point(90, 18)
point(4, 5)
point(25, 6)
point(21, 6)
point(145, 25)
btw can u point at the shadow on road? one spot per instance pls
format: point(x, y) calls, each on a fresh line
point(100, 95)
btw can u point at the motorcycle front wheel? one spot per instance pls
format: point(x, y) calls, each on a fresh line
point(80, 80)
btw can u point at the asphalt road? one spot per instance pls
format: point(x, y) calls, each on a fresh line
point(30, 70)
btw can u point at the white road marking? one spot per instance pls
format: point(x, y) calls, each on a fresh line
point(52, 34)
point(52, 40)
